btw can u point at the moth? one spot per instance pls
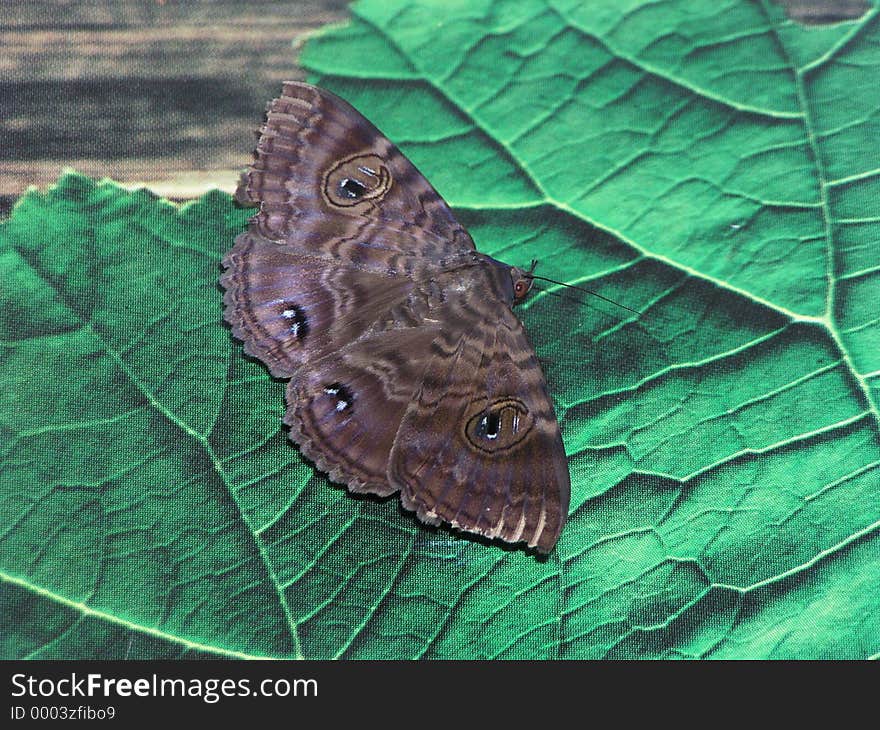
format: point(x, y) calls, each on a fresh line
point(408, 369)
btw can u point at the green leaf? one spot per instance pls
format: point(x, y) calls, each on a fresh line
point(712, 165)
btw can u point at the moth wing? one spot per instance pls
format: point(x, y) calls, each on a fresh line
point(289, 308)
point(346, 223)
point(479, 446)
point(345, 409)
point(327, 180)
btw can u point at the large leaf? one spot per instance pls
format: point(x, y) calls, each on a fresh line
point(710, 164)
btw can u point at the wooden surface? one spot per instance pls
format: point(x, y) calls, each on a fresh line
point(161, 92)
point(824, 11)
point(168, 94)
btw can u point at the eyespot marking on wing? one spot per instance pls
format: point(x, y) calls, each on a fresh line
point(343, 396)
point(298, 323)
point(355, 180)
point(500, 426)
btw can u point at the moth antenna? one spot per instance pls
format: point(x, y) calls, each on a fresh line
point(580, 288)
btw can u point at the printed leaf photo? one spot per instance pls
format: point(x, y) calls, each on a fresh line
point(712, 165)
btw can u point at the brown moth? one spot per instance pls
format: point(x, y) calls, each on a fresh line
point(409, 371)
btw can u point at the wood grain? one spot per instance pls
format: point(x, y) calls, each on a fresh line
point(164, 94)
point(815, 12)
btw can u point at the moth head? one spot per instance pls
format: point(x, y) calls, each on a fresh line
point(522, 281)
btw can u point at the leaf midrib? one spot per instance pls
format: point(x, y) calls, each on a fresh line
point(87, 611)
point(201, 440)
point(831, 273)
